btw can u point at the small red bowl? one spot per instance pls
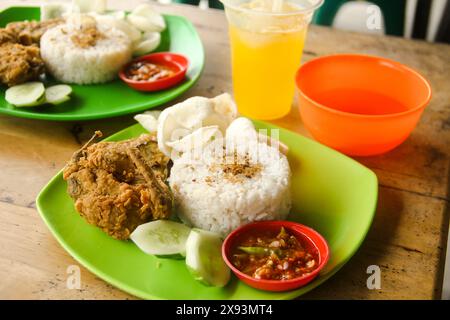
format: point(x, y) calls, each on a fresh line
point(175, 61)
point(310, 236)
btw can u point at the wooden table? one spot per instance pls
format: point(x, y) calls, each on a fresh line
point(407, 239)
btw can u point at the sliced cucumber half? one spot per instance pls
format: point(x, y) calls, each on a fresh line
point(29, 94)
point(58, 94)
point(204, 258)
point(161, 237)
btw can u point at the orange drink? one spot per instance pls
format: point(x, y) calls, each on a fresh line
point(267, 39)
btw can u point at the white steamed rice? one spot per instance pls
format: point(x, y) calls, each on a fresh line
point(97, 64)
point(206, 199)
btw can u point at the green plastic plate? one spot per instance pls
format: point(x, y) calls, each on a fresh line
point(114, 98)
point(332, 193)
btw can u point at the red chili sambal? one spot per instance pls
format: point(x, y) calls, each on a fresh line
point(147, 71)
point(270, 255)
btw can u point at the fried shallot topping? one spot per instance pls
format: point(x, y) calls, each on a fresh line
point(86, 38)
point(236, 168)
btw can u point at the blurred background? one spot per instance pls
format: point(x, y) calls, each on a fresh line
point(420, 19)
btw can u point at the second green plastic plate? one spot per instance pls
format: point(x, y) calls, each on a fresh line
point(331, 193)
point(114, 98)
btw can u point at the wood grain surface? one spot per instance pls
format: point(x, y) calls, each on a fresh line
point(407, 239)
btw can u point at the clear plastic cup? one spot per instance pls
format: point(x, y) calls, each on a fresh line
point(267, 39)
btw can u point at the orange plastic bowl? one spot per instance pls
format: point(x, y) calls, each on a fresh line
point(360, 105)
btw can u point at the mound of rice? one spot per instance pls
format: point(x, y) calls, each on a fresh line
point(222, 190)
point(69, 62)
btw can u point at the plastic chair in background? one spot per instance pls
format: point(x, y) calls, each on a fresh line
point(216, 4)
point(393, 13)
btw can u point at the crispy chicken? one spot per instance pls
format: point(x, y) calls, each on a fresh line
point(30, 32)
point(19, 51)
point(119, 185)
point(19, 64)
point(7, 36)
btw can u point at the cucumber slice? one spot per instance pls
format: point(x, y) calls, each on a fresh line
point(86, 6)
point(25, 95)
point(58, 94)
point(161, 237)
point(54, 10)
point(119, 14)
point(204, 258)
point(171, 256)
point(149, 42)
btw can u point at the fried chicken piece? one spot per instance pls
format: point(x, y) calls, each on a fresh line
point(30, 32)
point(19, 64)
point(119, 185)
point(7, 36)
point(19, 51)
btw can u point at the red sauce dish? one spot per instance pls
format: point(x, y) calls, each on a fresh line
point(154, 72)
point(291, 265)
